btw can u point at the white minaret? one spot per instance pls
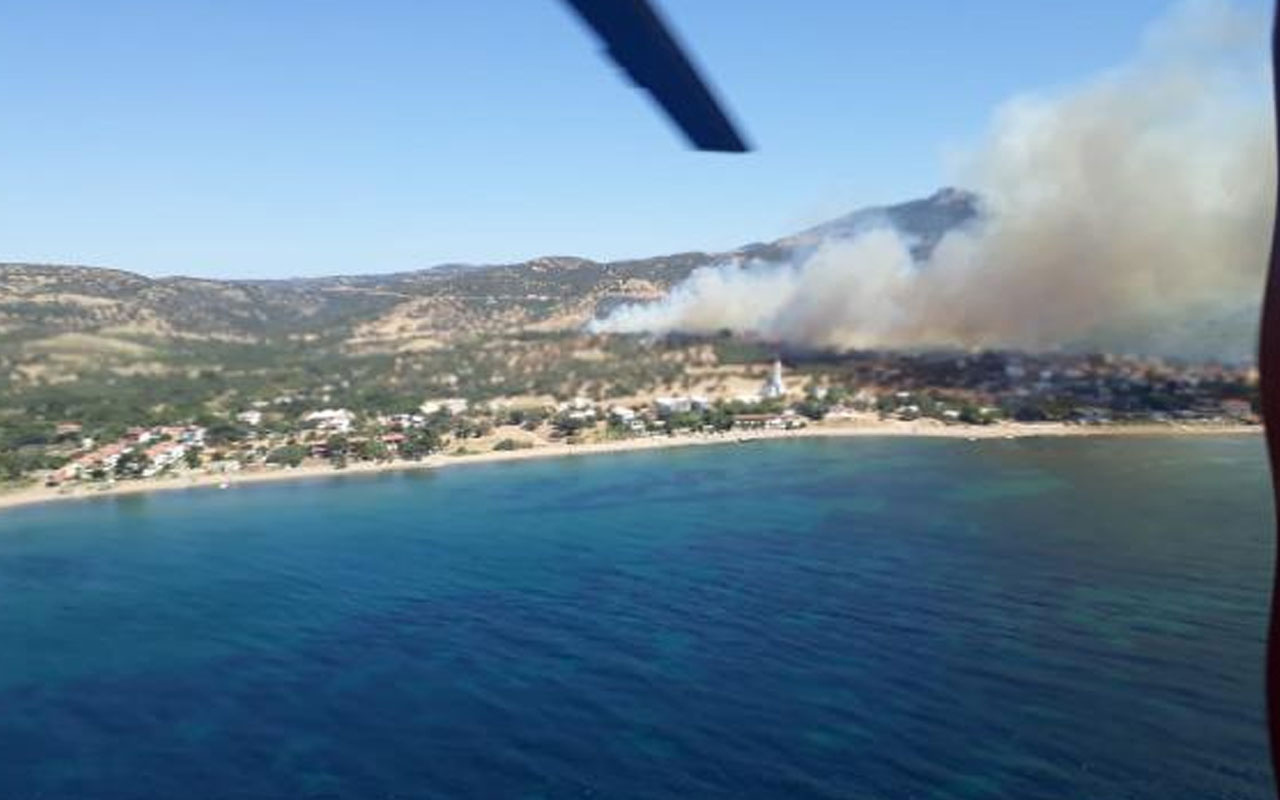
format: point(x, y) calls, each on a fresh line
point(773, 386)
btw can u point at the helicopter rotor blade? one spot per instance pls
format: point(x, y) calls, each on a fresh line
point(642, 44)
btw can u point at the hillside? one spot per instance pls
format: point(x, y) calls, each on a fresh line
point(74, 335)
point(41, 301)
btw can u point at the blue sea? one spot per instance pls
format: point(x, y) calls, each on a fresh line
point(862, 618)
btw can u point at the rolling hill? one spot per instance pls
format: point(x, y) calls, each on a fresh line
point(91, 342)
point(550, 293)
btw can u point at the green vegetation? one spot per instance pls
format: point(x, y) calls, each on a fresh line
point(420, 443)
point(731, 349)
point(142, 352)
point(290, 455)
point(569, 425)
point(15, 464)
point(131, 464)
point(814, 407)
point(371, 450)
point(512, 444)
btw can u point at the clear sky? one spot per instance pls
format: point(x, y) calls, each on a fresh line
point(242, 138)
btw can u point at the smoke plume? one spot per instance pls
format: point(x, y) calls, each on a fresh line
point(1132, 212)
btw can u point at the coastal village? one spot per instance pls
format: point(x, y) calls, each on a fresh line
point(987, 393)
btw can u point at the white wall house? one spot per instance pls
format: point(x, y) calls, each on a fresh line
point(681, 405)
point(333, 420)
point(622, 414)
point(454, 405)
point(163, 455)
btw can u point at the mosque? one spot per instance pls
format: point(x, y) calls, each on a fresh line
point(773, 387)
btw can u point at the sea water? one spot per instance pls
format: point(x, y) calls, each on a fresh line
point(862, 618)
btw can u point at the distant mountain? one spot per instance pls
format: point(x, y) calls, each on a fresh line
point(373, 312)
point(921, 222)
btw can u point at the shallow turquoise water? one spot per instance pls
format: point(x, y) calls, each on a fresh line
point(858, 618)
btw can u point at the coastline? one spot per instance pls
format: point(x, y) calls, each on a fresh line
point(45, 494)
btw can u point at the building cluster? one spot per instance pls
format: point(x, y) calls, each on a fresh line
point(152, 450)
point(689, 414)
point(1082, 388)
point(331, 420)
point(953, 389)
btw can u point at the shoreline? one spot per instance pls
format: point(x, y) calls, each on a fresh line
point(45, 494)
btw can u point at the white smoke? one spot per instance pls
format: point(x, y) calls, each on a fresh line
point(1132, 212)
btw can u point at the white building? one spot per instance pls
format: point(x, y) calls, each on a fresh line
point(251, 418)
point(163, 455)
point(681, 405)
point(191, 435)
point(403, 421)
point(105, 457)
point(454, 405)
point(622, 414)
point(334, 420)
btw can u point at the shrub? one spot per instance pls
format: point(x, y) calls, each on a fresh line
point(512, 444)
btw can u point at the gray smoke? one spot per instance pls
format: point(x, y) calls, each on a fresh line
point(1130, 213)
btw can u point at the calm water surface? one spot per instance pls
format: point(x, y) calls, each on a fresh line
point(858, 619)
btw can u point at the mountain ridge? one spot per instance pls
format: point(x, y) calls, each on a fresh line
point(903, 216)
point(550, 292)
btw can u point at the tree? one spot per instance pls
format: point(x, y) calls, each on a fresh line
point(464, 428)
point(21, 434)
point(289, 455)
point(720, 418)
point(512, 444)
point(527, 418)
point(972, 415)
point(371, 450)
point(569, 425)
point(812, 407)
point(192, 457)
point(224, 432)
point(131, 464)
point(419, 443)
point(336, 444)
point(11, 466)
point(685, 419)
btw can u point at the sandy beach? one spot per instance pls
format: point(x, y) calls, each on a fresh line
point(926, 429)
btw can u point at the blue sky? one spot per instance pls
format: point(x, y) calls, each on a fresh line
point(232, 138)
